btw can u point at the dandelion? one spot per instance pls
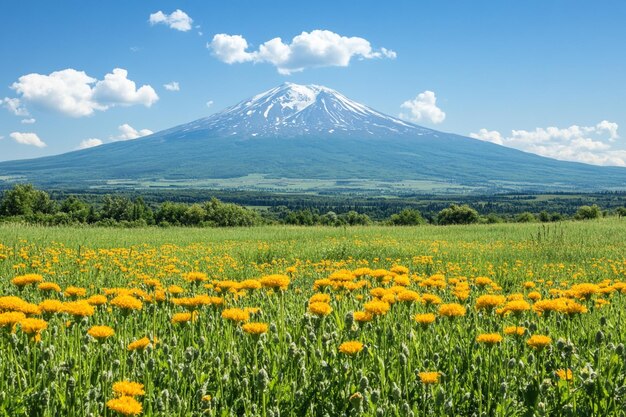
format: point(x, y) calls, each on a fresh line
point(377, 307)
point(235, 314)
point(431, 299)
point(184, 317)
point(276, 281)
point(362, 316)
point(78, 308)
point(489, 339)
point(51, 306)
point(128, 388)
point(127, 406)
point(32, 326)
point(489, 302)
point(255, 328)
point(49, 287)
point(97, 300)
point(75, 292)
point(320, 309)
point(319, 298)
point(24, 280)
point(565, 374)
point(514, 330)
point(425, 319)
point(351, 347)
point(195, 277)
point(538, 341)
point(139, 344)
point(127, 303)
point(408, 296)
point(516, 307)
point(452, 310)
point(428, 378)
point(100, 332)
point(10, 318)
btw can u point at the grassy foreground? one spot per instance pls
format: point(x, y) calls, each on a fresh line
point(496, 320)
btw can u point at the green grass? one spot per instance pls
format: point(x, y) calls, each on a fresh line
point(296, 368)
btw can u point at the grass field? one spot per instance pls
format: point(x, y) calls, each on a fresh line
point(494, 320)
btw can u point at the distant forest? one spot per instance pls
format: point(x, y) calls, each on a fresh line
point(191, 207)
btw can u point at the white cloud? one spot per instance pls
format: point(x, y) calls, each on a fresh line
point(76, 94)
point(178, 20)
point(423, 107)
point(90, 143)
point(318, 48)
point(128, 132)
point(588, 144)
point(173, 86)
point(492, 136)
point(15, 106)
point(30, 139)
point(209, 103)
point(29, 121)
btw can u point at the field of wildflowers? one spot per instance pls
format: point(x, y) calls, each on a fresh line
point(500, 320)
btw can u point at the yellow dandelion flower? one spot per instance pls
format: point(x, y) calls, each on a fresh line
point(489, 338)
point(428, 378)
point(276, 281)
point(184, 317)
point(320, 308)
point(97, 300)
point(23, 280)
point(235, 314)
point(127, 302)
point(425, 319)
point(452, 310)
point(409, 296)
point(255, 328)
point(489, 301)
point(32, 326)
point(128, 388)
point(362, 316)
point(49, 286)
point(78, 308)
point(514, 330)
point(50, 306)
point(10, 318)
point(376, 307)
point(75, 292)
point(127, 406)
point(195, 277)
point(351, 347)
point(538, 341)
point(565, 374)
point(100, 332)
point(139, 344)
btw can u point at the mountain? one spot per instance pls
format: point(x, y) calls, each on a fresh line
point(310, 138)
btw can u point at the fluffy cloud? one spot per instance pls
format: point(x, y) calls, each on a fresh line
point(29, 121)
point(127, 132)
point(15, 106)
point(209, 103)
point(76, 94)
point(173, 86)
point(178, 20)
point(318, 48)
point(30, 139)
point(90, 143)
point(423, 108)
point(588, 144)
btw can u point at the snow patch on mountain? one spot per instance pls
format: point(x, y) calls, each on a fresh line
point(295, 110)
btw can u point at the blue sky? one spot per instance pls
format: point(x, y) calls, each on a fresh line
point(543, 76)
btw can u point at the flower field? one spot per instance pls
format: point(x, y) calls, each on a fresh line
point(501, 320)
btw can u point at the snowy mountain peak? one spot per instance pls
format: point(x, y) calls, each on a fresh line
point(295, 110)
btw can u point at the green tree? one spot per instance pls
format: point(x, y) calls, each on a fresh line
point(588, 212)
point(25, 200)
point(456, 214)
point(407, 217)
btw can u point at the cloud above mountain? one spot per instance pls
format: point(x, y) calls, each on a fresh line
point(588, 144)
point(423, 108)
point(30, 139)
point(318, 48)
point(177, 20)
point(76, 94)
point(90, 143)
point(127, 132)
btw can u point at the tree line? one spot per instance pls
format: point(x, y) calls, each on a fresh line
point(25, 203)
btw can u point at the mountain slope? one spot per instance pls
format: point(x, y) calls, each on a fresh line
point(311, 132)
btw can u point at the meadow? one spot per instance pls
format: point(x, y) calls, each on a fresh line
point(484, 320)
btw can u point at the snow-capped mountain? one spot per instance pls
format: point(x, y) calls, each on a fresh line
point(295, 110)
point(310, 133)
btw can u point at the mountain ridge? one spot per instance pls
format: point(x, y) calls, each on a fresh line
point(310, 133)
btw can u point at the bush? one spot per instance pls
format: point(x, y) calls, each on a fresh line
point(407, 217)
point(588, 212)
point(456, 214)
